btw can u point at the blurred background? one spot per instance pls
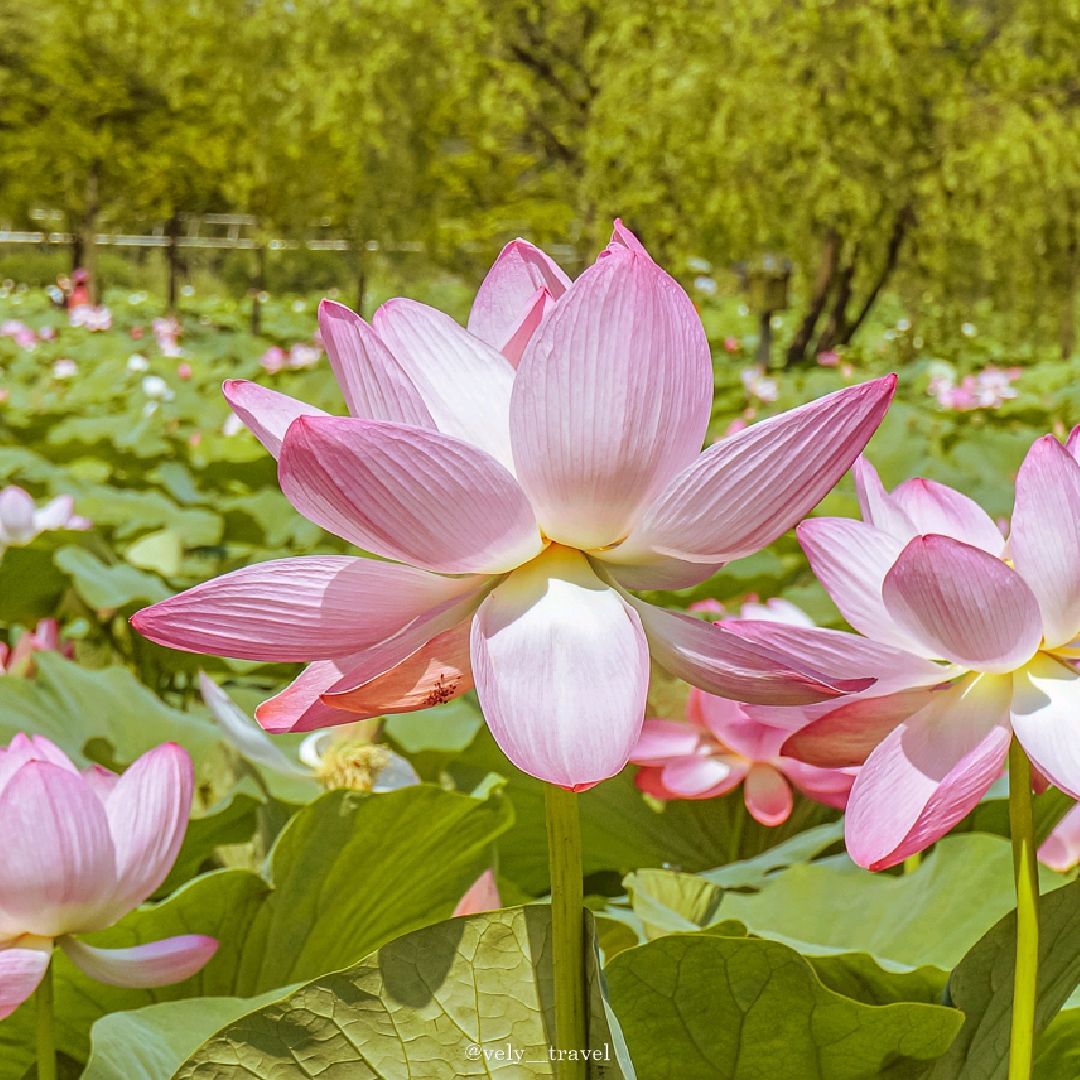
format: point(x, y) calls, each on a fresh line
point(844, 187)
point(927, 150)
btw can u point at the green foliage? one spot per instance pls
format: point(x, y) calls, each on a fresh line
point(930, 147)
point(152, 1042)
point(700, 1006)
point(450, 996)
point(125, 714)
point(982, 986)
point(832, 904)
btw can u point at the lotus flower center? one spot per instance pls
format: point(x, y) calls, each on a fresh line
point(352, 764)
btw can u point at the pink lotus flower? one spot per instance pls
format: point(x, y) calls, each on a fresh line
point(758, 385)
point(722, 746)
point(21, 520)
point(304, 356)
point(94, 319)
point(981, 641)
point(519, 505)
point(273, 360)
point(81, 850)
point(20, 333)
point(828, 358)
point(482, 895)
point(986, 389)
point(1061, 849)
point(18, 660)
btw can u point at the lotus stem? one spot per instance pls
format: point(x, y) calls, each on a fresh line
point(738, 822)
point(567, 932)
point(1026, 872)
point(46, 1038)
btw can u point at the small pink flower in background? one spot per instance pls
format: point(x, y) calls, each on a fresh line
point(81, 850)
point(708, 606)
point(482, 895)
point(136, 333)
point(828, 358)
point(304, 356)
point(47, 333)
point(18, 660)
point(1061, 849)
point(273, 360)
point(65, 368)
point(167, 333)
point(21, 519)
point(731, 345)
point(520, 480)
point(740, 423)
point(758, 385)
point(775, 609)
point(94, 319)
point(195, 438)
point(19, 332)
point(980, 642)
point(300, 355)
point(183, 371)
point(721, 746)
point(986, 389)
point(233, 425)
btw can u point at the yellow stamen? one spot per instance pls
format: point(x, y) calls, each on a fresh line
point(352, 764)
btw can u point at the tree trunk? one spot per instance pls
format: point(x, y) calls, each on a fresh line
point(830, 255)
point(836, 327)
point(258, 288)
point(88, 229)
point(76, 245)
point(903, 222)
point(1067, 326)
point(764, 349)
point(172, 263)
point(360, 263)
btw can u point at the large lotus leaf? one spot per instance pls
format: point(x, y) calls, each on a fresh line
point(702, 1007)
point(347, 874)
point(151, 1043)
point(467, 997)
point(160, 551)
point(982, 986)
point(31, 584)
point(232, 821)
point(73, 705)
point(106, 586)
point(136, 512)
point(1057, 1053)
point(962, 888)
point(446, 728)
point(665, 902)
